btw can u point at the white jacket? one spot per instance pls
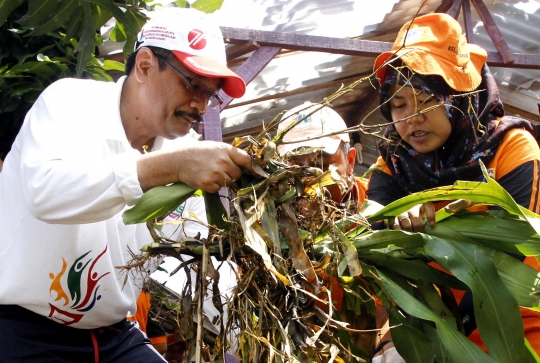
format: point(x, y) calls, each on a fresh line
point(64, 186)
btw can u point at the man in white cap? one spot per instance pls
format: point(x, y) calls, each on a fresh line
point(312, 122)
point(87, 151)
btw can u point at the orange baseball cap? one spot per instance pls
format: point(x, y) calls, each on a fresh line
point(433, 44)
point(323, 120)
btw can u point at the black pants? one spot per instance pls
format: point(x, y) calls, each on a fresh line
point(31, 338)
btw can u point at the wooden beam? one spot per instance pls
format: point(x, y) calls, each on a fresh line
point(445, 6)
point(211, 128)
point(238, 50)
point(522, 61)
point(454, 10)
point(312, 43)
point(467, 20)
point(252, 67)
point(354, 47)
point(494, 32)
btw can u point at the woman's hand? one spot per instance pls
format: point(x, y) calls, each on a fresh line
point(415, 218)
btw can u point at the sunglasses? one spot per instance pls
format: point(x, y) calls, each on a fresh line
point(196, 87)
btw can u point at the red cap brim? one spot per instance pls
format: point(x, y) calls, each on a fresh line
point(233, 84)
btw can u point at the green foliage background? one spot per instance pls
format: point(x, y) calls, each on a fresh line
point(42, 41)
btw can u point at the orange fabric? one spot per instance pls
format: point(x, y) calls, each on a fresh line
point(143, 307)
point(158, 340)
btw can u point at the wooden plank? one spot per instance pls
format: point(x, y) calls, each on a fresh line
point(445, 6)
point(211, 129)
point(454, 10)
point(238, 50)
point(355, 47)
point(252, 67)
point(311, 43)
point(522, 60)
point(467, 20)
point(494, 32)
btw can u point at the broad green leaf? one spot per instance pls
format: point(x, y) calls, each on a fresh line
point(496, 311)
point(110, 65)
point(270, 225)
point(118, 14)
point(207, 6)
point(182, 3)
point(384, 238)
point(61, 16)
point(118, 33)
point(87, 40)
point(158, 202)
point(533, 352)
point(38, 11)
point(487, 193)
point(7, 7)
point(459, 348)
point(416, 269)
point(100, 16)
point(74, 24)
point(215, 211)
point(412, 344)
point(521, 280)
point(495, 230)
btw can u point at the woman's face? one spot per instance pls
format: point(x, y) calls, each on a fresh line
point(425, 132)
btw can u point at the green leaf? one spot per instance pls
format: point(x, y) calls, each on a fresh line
point(87, 40)
point(458, 346)
point(412, 344)
point(158, 202)
point(497, 229)
point(215, 211)
point(110, 65)
point(182, 3)
point(118, 33)
point(496, 311)
point(520, 279)
point(38, 11)
point(416, 269)
point(207, 6)
point(489, 193)
point(7, 7)
point(118, 14)
point(60, 17)
point(74, 24)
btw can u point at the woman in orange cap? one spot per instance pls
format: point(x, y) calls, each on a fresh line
point(445, 116)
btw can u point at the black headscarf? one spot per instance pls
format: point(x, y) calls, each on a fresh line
point(478, 127)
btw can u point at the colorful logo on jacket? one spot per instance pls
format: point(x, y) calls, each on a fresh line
point(82, 289)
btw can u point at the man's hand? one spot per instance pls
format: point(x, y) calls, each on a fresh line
point(206, 165)
point(415, 218)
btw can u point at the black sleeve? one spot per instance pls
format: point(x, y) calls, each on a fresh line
point(383, 188)
point(519, 183)
point(153, 327)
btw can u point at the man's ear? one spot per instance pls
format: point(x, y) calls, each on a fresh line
point(144, 62)
point(351, 158)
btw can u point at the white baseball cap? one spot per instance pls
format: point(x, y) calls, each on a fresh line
point(323, 121)
point(195, 40)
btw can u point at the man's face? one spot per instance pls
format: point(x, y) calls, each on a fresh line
point(174, 108)
point(343, 161)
